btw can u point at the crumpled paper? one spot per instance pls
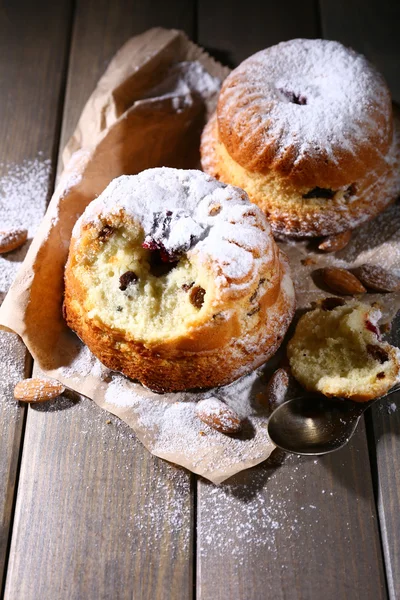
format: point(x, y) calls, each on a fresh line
point(146, 112)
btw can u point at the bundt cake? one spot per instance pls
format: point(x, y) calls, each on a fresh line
point(337, 350)
point(174, 279)
point(306, 128)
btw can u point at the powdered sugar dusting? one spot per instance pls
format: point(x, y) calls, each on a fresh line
point(185, 82)
point(314, 96)
point(188, 196)
point(170, 425)
point(23, 197)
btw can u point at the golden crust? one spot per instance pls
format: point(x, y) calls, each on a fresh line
point(288, 212)
point(209, 356)
point(240, 325)
point(352, 128)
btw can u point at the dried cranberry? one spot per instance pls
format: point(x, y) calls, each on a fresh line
point(381, 375)
point(126, 279)
point(371, 327)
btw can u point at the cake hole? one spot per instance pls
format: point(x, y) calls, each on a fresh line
point(331, 303)
point(105, 233)
point(292, 97)
point(351, 191)
point(158, 266)
point(254, 311)
point(377, 353)
point(187, 286)
point(318, 192)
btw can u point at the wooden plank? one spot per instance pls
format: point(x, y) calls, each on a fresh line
point(101, 27)
point(233, 30)
point(97, 516)
point(369, 27)
point(385, 446)
point(31, 83)
point(305, 529)
point(372, 28)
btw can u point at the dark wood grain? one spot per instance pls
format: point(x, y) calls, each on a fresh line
point(306, 529)
point(33, 52)
point(303, 530)
point(101, 28)
point(369, 27)
point(385, 449)
point(233, 30)
point(97, 516)
point(372, 28)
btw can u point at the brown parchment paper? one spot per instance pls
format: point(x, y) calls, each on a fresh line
point(139, 116)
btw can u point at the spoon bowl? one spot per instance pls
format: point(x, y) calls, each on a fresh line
point(315, 425)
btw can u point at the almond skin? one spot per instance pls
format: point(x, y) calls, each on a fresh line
point(334, 243)
point(277, 387)
point(377, 278)
point(342, 281)
point(218, 415)
point(37, 390)
point(11, 239)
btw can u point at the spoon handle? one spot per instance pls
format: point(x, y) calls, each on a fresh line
point(394, 389)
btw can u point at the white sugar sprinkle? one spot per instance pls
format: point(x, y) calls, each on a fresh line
point(23, 197)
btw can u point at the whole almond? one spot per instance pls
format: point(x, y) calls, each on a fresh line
point(37, 390)
point(334, 243)
point(11, 239)
point(218, 415)
point(377, 278)
point(277, 387)
point(342, 281)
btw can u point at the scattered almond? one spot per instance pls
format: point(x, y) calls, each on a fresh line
point(377, 278)
point(277, 388)
point(214, 209)
point(334, 243)
point(218, 415)
point(342, 281)
point(12, 239)
point(308, 261)
point(37, 390)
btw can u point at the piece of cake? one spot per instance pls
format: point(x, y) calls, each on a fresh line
point(337, 350)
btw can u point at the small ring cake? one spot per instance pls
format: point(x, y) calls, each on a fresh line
point(174, 279)
point(337, 350)
point(306, 128)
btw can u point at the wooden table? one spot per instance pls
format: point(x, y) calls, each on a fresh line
point(86, 511)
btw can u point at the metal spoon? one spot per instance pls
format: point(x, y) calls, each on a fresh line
point(316, 424)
